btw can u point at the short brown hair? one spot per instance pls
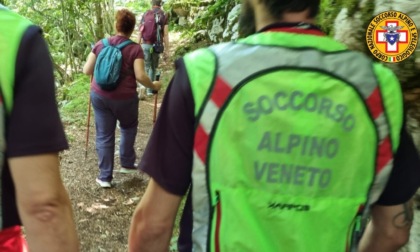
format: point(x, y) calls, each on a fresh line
point(156, 2)
point(125, 21)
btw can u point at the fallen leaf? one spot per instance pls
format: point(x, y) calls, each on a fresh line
point(99, 206)
point(129, 202)
point(95, 207)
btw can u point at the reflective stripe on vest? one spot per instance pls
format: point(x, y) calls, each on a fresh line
point(256, 59)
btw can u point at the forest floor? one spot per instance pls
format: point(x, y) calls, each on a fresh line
point(102, 215)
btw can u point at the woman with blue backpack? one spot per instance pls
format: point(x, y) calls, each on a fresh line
point(116, 64)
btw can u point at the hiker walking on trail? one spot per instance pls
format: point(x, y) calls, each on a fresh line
point(284, 141)
point(154, 38)
point(31, 190)
point(114, 97)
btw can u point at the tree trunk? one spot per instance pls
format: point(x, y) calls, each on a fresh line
point(99, 30)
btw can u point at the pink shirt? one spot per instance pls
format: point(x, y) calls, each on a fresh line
point(127, 88)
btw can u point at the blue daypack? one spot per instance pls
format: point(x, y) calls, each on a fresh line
point(108, 65)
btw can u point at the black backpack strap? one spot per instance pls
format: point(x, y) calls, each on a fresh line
point(158, 13)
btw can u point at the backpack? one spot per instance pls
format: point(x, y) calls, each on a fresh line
point(152, 29)
point(108, 65)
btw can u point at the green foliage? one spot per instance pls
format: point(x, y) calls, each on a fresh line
point(134, 5)
point(69, 26)
point(73, 100)
point(219, 8)
point(328, 13)
point(201, 15)
point(330, 9)
point(366, 15)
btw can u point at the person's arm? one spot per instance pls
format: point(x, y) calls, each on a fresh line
point(43, 203)
point(392, 214)
point(142, 77)
point(90, 64)
point(153, 220)
point(389, 228)
point(139, 38)
point(141, 29)
point(41, 199)
point(173, 132)
point(166, 36)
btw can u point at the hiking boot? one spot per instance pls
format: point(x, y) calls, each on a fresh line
point(126, 170)
point(103, 184)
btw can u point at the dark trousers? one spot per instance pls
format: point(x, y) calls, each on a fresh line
point(107, 112)
point(151, 63)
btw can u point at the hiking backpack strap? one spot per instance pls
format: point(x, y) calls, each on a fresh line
point(105, 42)
point(120, 46)
point(157, 13)
point(124, 44)
point(158, 38)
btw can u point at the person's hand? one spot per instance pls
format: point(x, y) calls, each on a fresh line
point(157, 85)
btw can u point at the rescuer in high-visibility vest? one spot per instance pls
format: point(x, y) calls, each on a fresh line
point(31, 190)
point(284, 141)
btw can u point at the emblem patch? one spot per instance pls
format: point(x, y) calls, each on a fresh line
point(392, 36)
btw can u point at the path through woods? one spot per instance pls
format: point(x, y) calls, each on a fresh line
point(103, 215)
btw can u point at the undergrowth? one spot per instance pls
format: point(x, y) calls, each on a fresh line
point(74, 100)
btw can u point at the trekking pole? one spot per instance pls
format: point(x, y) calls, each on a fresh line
point(156, 98)
point(88, 123)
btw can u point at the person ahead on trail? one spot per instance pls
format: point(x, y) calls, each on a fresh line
point(31, 190)
point(119, 103)
point(284, 141)
point(154, 38)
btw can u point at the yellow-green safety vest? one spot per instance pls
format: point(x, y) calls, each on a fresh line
point(295, 138)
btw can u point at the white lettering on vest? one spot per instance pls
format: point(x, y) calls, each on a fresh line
point(298, 175)
point(312, 146)
point(299, 101)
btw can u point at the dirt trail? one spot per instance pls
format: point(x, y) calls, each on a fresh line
point(103, 215)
